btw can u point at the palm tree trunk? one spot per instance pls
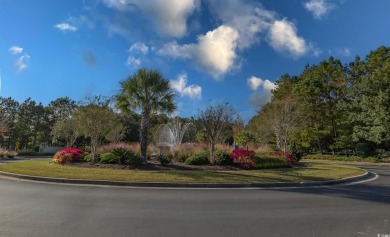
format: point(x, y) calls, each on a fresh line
point(144, 134)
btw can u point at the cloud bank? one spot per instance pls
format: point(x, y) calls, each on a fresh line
point(169, 17)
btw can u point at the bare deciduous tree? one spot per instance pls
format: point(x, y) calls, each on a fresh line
point(281, 118)
point(216, 124)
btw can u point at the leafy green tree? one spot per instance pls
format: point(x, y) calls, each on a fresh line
point(370, 104)
point(97, 122)
point(320, 89)
point(68, 130)
point(62, 108)
point(9, 111)
point(149, 92)
point(244, 137)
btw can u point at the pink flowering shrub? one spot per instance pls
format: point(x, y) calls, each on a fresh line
point(244, 158)
point(287, 156)
point(67, 155)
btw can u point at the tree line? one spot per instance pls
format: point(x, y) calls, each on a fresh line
point(330, 107)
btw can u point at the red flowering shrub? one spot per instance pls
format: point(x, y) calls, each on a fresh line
point(244, 158)
point(67, 155)
point(289, 158)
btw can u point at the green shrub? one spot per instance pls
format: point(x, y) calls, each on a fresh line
point(163, 159)
point(297, 155)
point(108, 158)
point(201, 158)
point(270, 162)
point(222, 158)
point(126, 156)
point(363, 149)
point(133, 159)
point(88, 158)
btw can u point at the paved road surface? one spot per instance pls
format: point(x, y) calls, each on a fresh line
point(41, 209)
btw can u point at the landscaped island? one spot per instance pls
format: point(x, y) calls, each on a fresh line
point(308, 172)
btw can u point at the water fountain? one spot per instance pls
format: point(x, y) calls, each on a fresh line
point(170, 135)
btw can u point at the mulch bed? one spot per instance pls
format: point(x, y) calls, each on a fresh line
point(154, 165)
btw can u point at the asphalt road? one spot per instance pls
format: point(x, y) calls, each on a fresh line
point(41, 209)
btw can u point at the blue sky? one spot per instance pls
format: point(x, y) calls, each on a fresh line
point(213, 51)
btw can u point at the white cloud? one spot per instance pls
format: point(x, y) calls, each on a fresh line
point(133, 62)
point(248, 19)
point(214, 51)
point(254, 82)
point(169, 17)
point(180, 85)
point(21, 63)
point(344, 52)
point(15, 50)
point(319, 8)
point(283, 38)
point(139, 46)
point(65, 27)
point(260, 98)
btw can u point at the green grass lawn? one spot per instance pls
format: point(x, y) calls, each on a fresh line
point(312, 172)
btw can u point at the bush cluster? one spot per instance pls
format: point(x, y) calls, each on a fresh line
point(287, 156)
point(67, 155)
point(270, 162)
point(201, 158)
point(222, 157)
point(244, 158)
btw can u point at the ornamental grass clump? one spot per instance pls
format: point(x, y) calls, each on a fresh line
point(67, 155)
point(244, 158)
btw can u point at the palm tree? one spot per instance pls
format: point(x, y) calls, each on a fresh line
point(149, 92)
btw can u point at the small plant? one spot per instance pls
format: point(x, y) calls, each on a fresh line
point(67, 155)
point(201, 158)
point(108, 158)
point(163, 159)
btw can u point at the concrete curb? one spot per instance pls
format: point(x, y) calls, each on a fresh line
point(365, 176)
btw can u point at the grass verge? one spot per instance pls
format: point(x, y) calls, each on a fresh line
point(312, 172)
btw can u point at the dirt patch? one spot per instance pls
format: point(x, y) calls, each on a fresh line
point(154, 165)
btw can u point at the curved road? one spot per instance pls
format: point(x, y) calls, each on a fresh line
point(42, 209)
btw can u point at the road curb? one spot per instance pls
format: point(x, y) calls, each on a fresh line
point(367, 175)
